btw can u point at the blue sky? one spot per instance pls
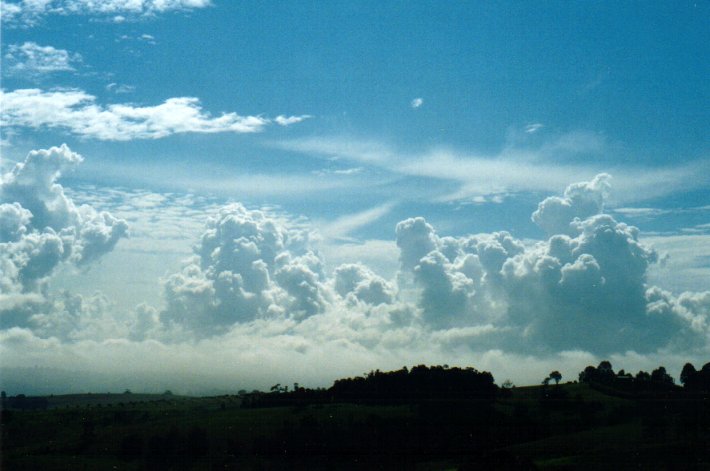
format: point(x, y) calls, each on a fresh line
point(336, 121)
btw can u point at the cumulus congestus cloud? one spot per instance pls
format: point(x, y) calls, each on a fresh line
point(584, 288)
point(256, 286)
point(248, 265)
point(41, 228)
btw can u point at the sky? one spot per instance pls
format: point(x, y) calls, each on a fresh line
point(206, 195)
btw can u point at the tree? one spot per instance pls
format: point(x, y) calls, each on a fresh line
point(588, 375)
point(556, 376)
point(660, 376)
point(642, 376)
point(605, 369)
point(686, 376)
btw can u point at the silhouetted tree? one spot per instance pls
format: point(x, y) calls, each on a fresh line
point(642, 376)
point(605, 370)
point(588, 375)
point(660, 377)
point(555, 375)
point(687, 374)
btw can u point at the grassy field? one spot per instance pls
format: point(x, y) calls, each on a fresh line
point(570, 426)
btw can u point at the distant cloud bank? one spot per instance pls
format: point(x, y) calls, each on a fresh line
point(257, 285)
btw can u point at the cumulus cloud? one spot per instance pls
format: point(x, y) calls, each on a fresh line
point(29, 12)
point(77, 112)
point(355, 282)
point(417, 103)
point(247, 266)
point(40, 227)
point(583, 288)
point(557, 215)
point(256, 289)
point(415, 239)
point(31, 59)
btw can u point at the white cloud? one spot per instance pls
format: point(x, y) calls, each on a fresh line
point(257, 290)
point(344, 225)
point(30, 12)
point(120, 88)
point(381, 256)
point(369, 152)
point(247, 266)
point(289, 120)
point(416, 103)
point(533, 128)
point(686, 262)
point(77, 112)
point(41, 227)
point(556, 215)
point(641, 212)
point(226, 181)
point(31, 59)
point(511, 170)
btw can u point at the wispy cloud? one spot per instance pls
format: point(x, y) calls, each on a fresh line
point(29, 12)
point(213, 179)
point(149, 38)
point(288, 120)
point(417, 102)
point(641, 212)
point(511, 170)
point(533, 128)
point(77, 112)
point(119, 88)
point(686, 262)
point(344, 225)
point(364, 151)
point(32, 59)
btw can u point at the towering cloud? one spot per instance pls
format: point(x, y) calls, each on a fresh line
point(256, 282)
point(581, 200)
point(248, 265)
point(40, 227)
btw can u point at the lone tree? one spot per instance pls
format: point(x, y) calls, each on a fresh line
point(555, 375)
